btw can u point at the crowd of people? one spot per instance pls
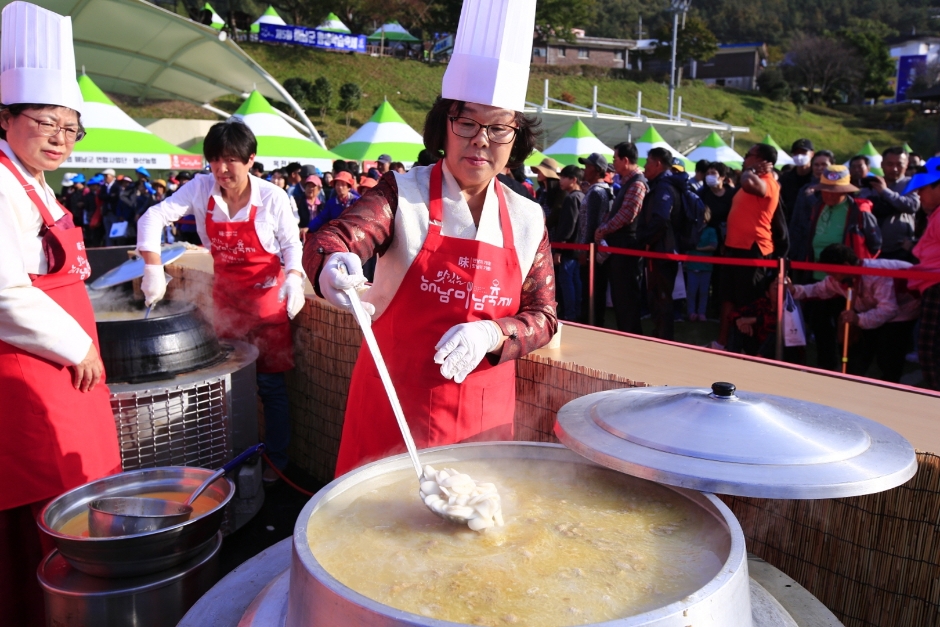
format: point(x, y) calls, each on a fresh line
point(812, 211)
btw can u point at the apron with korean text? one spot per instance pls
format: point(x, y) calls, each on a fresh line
point(245, 291)
point(450, 282)
point(54, 437)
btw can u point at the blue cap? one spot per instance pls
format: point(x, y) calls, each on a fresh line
point(97, 179)
point(78, 178)
point(923, 179)
point(143, 171)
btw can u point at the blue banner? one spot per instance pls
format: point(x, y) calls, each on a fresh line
point(909, 69)
point(303, 36)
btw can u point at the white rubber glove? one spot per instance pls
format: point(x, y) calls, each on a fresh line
point(464, 346)
point(153, 284)
point(293, 292)
point(341, 272)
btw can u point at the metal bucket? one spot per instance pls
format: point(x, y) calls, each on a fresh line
point(74, 599)
point(317, 598)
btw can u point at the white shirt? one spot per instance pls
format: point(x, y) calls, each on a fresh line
point(411, 228)
point(29, 319)
point(274, 223)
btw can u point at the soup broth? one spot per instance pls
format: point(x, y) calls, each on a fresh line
point(580, 545)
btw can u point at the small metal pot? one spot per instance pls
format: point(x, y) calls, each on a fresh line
point(126, 556)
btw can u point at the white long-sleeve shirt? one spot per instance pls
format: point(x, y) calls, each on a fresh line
point(275, 224)
point(29, 319)
point(875, 300)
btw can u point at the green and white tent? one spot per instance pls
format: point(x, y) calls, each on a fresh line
point(579, 141)
point(216, 22)
point(393, 32)
point(714, 148)
point(278, 142)
point(269, 16)
point(907, 148)
point(652, 139)
point(874, 158)
point(116, 141)
point(782, 157)
point(385, 133)
point(333, 24)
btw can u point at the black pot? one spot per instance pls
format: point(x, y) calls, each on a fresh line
point(175, 340)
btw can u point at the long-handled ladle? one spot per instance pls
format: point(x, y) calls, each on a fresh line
point(449, 494)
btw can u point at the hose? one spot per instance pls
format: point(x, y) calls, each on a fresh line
point(284, 477)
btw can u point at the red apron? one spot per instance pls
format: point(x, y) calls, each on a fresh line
point(451, 281)
point(245, 291)
point(54, 438)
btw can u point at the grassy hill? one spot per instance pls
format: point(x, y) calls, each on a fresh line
point(411, 88)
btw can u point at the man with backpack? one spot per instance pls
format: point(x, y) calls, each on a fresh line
point(594, 210)
point(619, 230)
point(655, 232)
point(750, 234)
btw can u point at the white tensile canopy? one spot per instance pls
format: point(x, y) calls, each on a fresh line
point(135, 48)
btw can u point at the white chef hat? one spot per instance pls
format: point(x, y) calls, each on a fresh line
point(492, 52)
point(37, 60)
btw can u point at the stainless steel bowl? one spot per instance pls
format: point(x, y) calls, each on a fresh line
point(144, 553)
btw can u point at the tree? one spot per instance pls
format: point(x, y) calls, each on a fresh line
point(825, 67)
point(773, 84)
point(867, 38)
point(321, 96)
point(556, 18)
point(694, 41)
point(350, 95)
point(299, 89)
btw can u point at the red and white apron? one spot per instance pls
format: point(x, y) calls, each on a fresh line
point(245, 291)
point(450, 282)
point(54, 437)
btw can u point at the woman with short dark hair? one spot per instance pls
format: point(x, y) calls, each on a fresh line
point(249, 227)
point(463, 282)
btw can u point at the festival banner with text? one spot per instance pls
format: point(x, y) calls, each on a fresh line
point(301, 35)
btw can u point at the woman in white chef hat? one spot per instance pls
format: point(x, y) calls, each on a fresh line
point(56, 427)
point(464, 282)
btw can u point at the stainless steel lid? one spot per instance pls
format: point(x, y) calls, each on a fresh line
point(739, 443)
point(134, 268)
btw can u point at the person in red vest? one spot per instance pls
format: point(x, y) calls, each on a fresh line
point(464, 283)
point(57, 428)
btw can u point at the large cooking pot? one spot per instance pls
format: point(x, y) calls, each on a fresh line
point(176, 338)
point(142, 554)
point(317, 598)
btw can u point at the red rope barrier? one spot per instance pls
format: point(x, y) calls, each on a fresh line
point(922, 275)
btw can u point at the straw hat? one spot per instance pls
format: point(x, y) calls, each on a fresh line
point(548, 168)
point(836, 179)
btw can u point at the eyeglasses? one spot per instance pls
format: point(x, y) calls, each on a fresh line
point(51, 130)
point(496, 133)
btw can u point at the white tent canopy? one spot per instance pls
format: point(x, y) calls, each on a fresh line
point(135, 48)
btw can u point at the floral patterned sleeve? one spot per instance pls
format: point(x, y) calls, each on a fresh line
point(535, 324)
point(365, 228)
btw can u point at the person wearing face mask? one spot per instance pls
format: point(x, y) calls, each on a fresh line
point(801, 175)
point(464, 283)
point(56, 423)
point(717, 197)
point(249, 228)
point(808, 197)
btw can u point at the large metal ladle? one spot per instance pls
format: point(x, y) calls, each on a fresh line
point(365, 323)
point(130, 515)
